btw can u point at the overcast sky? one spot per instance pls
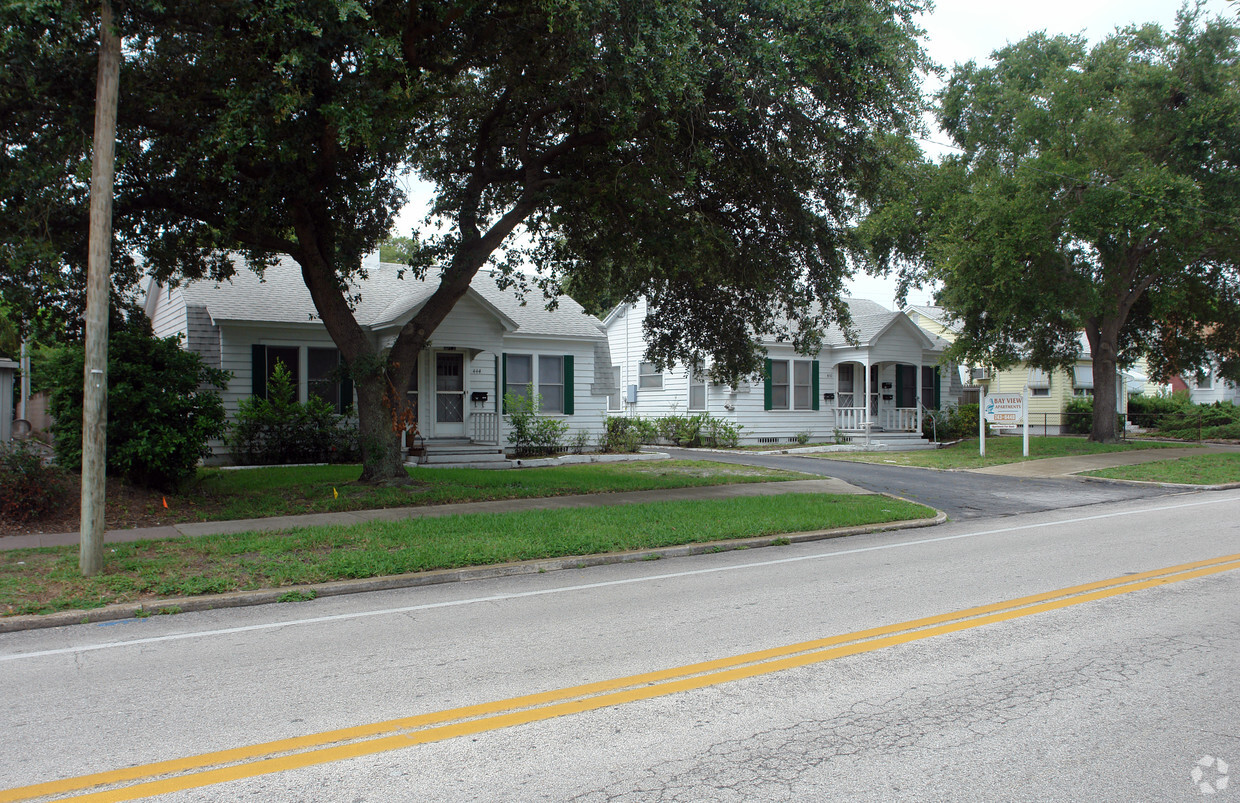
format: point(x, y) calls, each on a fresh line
point(960, 30)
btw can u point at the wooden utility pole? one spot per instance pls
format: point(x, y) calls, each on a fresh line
point(95, 399)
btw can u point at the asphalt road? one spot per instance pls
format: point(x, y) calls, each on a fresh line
point(962, 495)
point(1111, 691)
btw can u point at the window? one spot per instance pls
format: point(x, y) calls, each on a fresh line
point(1206, 382)
point(1039, 382)
point(779, 384)
point(648, 377)
point(323, 378)
point(551, 383)
point(411, 392)
point(697, 389)
point(550, 375)
point(802, 395)
point(290, 357)
point(1083, 380)
point(518, 374)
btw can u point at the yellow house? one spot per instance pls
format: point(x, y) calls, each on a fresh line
point(1049, 391)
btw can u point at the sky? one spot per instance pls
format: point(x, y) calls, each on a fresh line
point(960, 30)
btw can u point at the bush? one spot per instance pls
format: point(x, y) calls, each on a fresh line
point(1218, 420)
point(279, 430)
point(29, 489)
point(1078, 415)
point(162, 407)
point(620, 435)
point(529, 433)
point(1148, 411)
point(952, 423)
point(720, 434)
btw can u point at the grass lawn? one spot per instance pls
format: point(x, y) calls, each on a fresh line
point(999, 450)
point(46, 580)
point(1206, 469)
point(218, 495)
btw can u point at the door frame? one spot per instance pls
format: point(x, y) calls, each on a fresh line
point(448, 429)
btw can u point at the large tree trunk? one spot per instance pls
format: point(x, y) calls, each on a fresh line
point(1105, 347)
point(382, 461)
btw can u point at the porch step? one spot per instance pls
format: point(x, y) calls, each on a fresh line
point(460, 453)
point(894, 441)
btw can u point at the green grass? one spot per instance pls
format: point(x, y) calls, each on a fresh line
point(999, 450)
point(219, 495)
point(1206, 469)
point(46, 580)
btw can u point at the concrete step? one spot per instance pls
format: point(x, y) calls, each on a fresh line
point(494, 456)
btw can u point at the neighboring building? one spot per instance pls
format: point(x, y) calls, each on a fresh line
point(1209, 389)
point(880, 384)
point(488, 342)
point(1049, 391)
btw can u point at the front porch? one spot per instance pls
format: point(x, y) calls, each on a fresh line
point(897, 400)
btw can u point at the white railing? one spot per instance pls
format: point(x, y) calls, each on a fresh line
point(484, 428)
point(850, 418)
point(900, 419)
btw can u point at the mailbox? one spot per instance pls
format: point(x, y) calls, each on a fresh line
point(479, 397)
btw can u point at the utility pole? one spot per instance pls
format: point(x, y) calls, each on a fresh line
point(95, 399)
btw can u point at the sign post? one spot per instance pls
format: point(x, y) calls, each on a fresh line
point(981, 424)
point(1004, 410)
point(1025, 403)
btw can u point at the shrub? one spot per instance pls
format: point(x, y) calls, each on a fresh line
point(29, 489)
point(1148, 411)
point(720, 434)
point(278, 430)
point(1218, 420)
point(620, 435)
point(1078, 415)
point(530, 433)
point(952, 423)
point(163, 406)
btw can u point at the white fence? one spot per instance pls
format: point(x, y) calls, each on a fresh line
point(484, 428)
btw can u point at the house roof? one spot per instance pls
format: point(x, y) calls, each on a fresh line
point(385, 298)
point(870, 320)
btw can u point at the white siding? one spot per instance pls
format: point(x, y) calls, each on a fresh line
point(169, 317)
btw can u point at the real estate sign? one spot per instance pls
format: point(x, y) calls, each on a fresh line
point(1005, 409)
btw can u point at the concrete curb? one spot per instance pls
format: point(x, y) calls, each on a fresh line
point(243, 599)
point(1227, 486)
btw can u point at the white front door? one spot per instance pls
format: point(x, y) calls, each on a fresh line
point(449, 394)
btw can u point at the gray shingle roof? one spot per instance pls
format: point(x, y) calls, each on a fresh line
point(869, 319)
point(384, 299)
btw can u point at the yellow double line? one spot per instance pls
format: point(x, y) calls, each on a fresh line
point(164, 777)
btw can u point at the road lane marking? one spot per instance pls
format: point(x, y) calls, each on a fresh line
point(341, 617)
point(279, 756)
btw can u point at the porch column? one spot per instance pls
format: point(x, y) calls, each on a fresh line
point(865, 395)
point(921, 370)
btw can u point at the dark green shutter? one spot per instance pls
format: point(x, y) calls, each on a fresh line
point(258, 370)
point(766, 386)
point(813, 387)
point(503, 388)
point(568, 384)
point(900, 376)
point(499, 390)
point(346, 386)
point(937, 378)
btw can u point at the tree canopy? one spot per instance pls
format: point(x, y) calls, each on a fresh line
point(707, 155)
point(1095, 189)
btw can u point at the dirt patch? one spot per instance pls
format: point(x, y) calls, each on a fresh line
point(124, 507)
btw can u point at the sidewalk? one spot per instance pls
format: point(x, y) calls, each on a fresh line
point(191, 529)
point(1066, 466)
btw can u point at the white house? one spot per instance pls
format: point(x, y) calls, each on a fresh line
point(1210, 388)
point(489, 342)
point(882, 383)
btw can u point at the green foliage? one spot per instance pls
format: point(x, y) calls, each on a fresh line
point(1097, 190)
point(952, 423)
point(529, 433)
point(1148, 411)
point(621, 434)
point(163, 407)
point(1078, 415)
point(703, 154)
point(1200, 421)
point(29, 489)
point(278, 430)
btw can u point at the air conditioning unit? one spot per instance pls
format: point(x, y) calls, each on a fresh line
point(980, 374)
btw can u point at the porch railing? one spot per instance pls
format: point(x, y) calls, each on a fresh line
point(484, 428)
point(901, 419)
point(850, 417)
